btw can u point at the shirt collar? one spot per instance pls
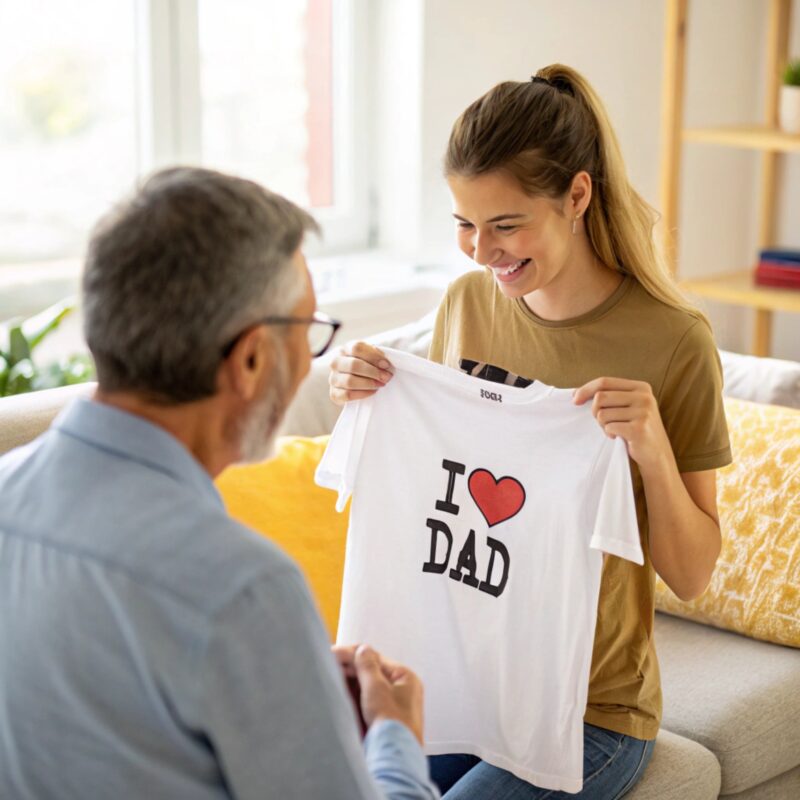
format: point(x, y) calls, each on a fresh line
point(134, 438)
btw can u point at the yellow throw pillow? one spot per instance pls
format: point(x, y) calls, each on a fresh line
point(755, 589)
point(280, 500)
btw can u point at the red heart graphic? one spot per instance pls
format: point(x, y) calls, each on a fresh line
point(497, 500)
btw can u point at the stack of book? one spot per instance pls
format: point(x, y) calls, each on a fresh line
point(779, 268)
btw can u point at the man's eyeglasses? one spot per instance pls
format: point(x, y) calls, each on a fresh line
point(321, 330)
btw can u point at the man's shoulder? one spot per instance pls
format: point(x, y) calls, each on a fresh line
point(134, 526)
point(207, 558)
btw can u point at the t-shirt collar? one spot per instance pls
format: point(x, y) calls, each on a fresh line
point(583, 319)
point(467, 384)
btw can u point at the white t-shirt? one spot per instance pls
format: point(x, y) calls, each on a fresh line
point(474, 555)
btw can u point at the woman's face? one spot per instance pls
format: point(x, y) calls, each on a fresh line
point(525, 241)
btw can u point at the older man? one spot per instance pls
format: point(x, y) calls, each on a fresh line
point(149, 645)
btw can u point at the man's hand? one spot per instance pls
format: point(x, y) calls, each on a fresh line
point(388, 689)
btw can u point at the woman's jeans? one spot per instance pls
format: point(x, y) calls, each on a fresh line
point(612, 764)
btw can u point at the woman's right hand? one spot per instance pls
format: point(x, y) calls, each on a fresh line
point(358, 371)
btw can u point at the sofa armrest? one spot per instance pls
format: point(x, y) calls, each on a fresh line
point(23, 417)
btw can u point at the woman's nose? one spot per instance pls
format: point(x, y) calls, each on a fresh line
point(485, 251)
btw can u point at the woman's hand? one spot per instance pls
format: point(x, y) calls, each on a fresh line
point(358, 371)
point(629, 409)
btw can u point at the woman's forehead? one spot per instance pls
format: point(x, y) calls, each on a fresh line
point(491, 195)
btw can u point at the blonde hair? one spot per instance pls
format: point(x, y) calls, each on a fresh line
point(543, 132)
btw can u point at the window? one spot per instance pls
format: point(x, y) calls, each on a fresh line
point(98, 93)
point(67, 122)
point(265, 77)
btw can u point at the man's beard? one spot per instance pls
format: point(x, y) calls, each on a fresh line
point(259, 429)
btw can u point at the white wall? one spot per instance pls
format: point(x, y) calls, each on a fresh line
point(463, 47)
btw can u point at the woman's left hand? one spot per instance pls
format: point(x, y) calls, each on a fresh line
point(629, 409)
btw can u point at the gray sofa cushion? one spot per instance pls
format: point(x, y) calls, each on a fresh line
point(680, 769)
point(784, 787)
point(738, 697)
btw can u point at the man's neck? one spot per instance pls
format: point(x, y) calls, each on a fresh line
point(198, 425)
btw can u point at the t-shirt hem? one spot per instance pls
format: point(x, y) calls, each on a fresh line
point(715, 460)
point(618, 547)
point(541, 780)
point(638, 728)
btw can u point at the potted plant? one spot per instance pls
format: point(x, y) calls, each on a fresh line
point(19, 372)
point(790, 98)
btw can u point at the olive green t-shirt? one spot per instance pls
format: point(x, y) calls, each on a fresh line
point(630, 335)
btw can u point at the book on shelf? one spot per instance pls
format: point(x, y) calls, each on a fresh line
point(780, 255)
point(774, 273)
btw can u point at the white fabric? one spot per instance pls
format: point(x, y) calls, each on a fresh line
point(500, 626)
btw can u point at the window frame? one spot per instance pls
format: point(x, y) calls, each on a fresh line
point(169, 108)
point(168, 125)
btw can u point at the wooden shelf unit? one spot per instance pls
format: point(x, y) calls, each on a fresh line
point(755, 137)
point(739, 287)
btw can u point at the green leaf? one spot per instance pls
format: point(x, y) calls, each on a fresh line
point(64, 372)
point(20, 377)
point(39, 326)
point(78, 369)
point(791, 73)
point(4, 370)
point(5, 327)
point(18, 347)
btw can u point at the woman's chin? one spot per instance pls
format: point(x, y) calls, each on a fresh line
point(516, 289)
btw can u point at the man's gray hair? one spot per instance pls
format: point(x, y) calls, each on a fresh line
point(178, 270)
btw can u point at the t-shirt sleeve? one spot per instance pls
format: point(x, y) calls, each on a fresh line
point(615, 529)
point(339, 465)
point(691, 405)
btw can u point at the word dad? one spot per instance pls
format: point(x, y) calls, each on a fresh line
point(497, 500)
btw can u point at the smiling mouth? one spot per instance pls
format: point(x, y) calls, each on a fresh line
point(508, 273)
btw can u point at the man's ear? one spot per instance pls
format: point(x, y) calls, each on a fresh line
point(244, 371)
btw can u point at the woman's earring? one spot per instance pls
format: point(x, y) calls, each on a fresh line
point(575, 224)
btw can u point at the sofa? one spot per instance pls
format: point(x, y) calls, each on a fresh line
point(731, 721)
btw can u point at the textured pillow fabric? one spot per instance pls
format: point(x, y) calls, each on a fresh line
point(280, 500)
point(755, 589)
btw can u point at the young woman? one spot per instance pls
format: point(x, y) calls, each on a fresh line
point(573, 294)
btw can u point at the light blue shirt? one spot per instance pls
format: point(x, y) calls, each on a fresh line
point(150, 646)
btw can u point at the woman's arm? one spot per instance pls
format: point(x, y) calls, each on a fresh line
point(685, 539)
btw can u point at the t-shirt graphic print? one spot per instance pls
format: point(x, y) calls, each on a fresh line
point(480, 514)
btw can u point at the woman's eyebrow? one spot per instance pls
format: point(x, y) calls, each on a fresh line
point(499, 218)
